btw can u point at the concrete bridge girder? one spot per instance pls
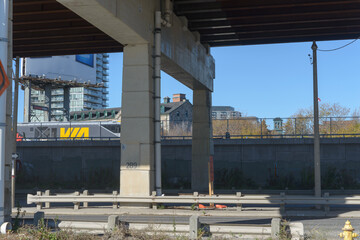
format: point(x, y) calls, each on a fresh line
point(183, 57)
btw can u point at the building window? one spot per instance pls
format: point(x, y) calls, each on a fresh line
point(178, 114)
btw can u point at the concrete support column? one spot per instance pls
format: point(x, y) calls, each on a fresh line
point(48, 101)
point(137, 120)
point(27, 102)
point(67, 103)
point(202, 144)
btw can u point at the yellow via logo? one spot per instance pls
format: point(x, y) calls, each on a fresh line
point(74, 133)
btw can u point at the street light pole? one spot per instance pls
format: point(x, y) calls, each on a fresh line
point(317, 168)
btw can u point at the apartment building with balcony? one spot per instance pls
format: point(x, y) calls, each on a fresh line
point(86, 68)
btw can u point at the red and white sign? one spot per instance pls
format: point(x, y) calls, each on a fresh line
point(4, 81)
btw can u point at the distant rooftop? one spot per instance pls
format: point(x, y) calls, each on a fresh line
point(96, 114)
point(178, 100)
point(222, 108)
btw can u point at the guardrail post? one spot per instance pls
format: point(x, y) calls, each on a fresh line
point(76, 204)
point(85, 193)
point(239, 205)
point(275, 228)
point(327, 206)
point(153, 195)
point(47, 204)
point(196, 195)
point(37, 217)
point(115, 204)
point(113, 222)
point(38, 204)
point(194, 225)
point(282, 204)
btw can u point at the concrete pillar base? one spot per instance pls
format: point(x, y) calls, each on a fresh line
point(137, 183)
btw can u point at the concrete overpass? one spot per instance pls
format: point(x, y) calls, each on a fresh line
point(189, 29)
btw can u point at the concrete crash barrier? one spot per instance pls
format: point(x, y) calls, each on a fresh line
point(193, 229)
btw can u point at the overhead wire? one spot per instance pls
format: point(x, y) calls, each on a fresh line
point(334, 49)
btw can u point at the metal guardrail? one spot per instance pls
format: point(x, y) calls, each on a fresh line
point(302, 200)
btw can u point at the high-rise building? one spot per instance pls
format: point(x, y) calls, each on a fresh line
point(86, 68)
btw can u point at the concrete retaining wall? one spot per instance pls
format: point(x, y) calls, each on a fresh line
point(250, 163)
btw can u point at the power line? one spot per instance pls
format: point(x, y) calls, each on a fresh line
point(329, 50)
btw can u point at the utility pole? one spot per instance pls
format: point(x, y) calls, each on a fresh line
point(3, 57)
point(8, 131)
point(317, 168)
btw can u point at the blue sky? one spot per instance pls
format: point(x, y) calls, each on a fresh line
point(270, 80)
point(266, 80)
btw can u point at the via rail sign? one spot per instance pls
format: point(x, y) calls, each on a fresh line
point(4, 81)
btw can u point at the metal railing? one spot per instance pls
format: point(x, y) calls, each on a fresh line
point(252, 127)
point(228, 136)
point(237, 200)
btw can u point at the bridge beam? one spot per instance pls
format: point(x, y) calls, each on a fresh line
point(184, 58)
point(131, 23)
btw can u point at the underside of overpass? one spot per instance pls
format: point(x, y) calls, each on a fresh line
point(60, 27)
point(46, 27)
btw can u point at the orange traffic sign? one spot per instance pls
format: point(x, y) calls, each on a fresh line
point(4, 80)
